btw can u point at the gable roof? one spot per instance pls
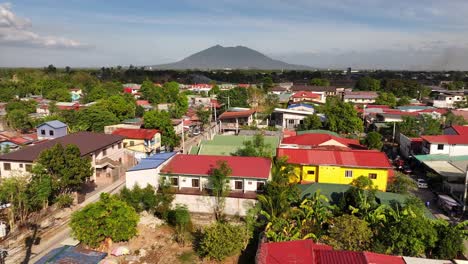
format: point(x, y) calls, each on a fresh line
point(461, 130)
point(447, 139)
point(346, 158)
point(315, 140)
point(236, 114)
point(147, 134)
point(313, 88)
point(242, 167)
point(54, 124)
point(361, 95)
point(87, 142)
point(305, 94)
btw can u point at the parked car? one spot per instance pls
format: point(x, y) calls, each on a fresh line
point(406, 169)
point(421, 183)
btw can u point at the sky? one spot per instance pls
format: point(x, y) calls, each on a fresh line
point(397, 34)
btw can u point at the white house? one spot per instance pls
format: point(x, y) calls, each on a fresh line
point(147, 171)
point(448, 99)
point(452, 145)
point(289, 118)
point(360, 97)
point(52, 129)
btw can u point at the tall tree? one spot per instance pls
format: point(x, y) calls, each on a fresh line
point(19, 120)
point(67, 169)
point(94, 119)
point(220, 187)
point(342, 117)
point(161, 120)
point(311, 122)
point(14, 190)
point(386, 99)
point(373, 140)
point(350, 233)
point(204, 116)
point(367, 83)
point(319, 82)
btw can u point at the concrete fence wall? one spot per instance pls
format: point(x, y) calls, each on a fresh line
point(205, 204)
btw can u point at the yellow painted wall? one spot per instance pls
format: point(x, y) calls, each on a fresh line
point(336, 175)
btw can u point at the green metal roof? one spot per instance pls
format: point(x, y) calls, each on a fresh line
point(225, 145)
point(440, 157)
point(318, 131)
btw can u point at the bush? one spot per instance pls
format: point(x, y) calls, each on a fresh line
point(64, 200)
point(107, 218)
point(140, 199)
point(222, 240)
point(180, 219)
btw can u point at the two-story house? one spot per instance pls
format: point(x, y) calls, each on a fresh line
point(451, 145)
point(51, 129)
point(106, 152)
point(304, 96)
point(235, 118)
point(143, 142)
point(360, 97)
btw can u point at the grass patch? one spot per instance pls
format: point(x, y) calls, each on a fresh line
point(187, 257)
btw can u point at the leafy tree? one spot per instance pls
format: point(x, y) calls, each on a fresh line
point(425, 125)
point(450, 239)
point(254, 148)
point(409, 126)
point(367, 83)
point(122, 107)
point(386, 99)
point(152, 93)
point(222, 240)
point(401, 184)
point(238, 97)
point(430, 125)
point(267, 83)
point(66, 168)
point(454, 120)
point(215, 90)
point(203, 116)
point(350, 233)
point(319, 82)
point(164, 199)
point(140, 199)
point(180, 219)
point(219, 182)
point(14, 190)
point(162, 121)
point(139, 111)
point(95, 118)
point(373, 140)
point(311, 122)
point(107, 218)
point(40, 188)
point(27, 106)
point(19, 120)
point(50, 69)
point(404, 100)
point(60, 95)
point(341, 116)
point(456, 85)
point(360, 198)
point(401, 88)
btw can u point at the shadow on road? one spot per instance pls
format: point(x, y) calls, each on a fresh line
point(30, 241)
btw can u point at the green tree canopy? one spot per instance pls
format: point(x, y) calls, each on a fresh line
point(319, 82)
point(59, 95)
point(404, 100)
point(401, 184)
point(386, 99)
point(19, 120)
point(162, 121)
point(94, 119)
point(122, 107)
point(204, 116)
point(350, 233)
point(373, 140)
point(311, 122)
point(107, 218)
point(367, 83)
point(220, 186)
point(342, 117)
point(238, 97)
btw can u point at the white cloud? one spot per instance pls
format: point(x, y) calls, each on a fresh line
point(17, 31)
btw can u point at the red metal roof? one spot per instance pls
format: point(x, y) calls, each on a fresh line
point(147, 134)
point(348, 158)
point(461, 130)
point(447, 139)
point(374, 258)
point(236, 114)
point(339, 257)
point(318, 139)
point(242, 167)
point(142, 102)
point(304, 94)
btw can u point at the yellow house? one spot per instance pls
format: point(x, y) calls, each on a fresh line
point(337, 166)
point(144, 141)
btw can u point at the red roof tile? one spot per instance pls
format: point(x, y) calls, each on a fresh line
point(348, 158)
point(315, 140)
point(304, 94)
point(147, 134)
point(461, 130)
point(242, 167)
point(339, 257)
point(236, 114)
point(298, 251)
point(374, 258)
point(448, 139)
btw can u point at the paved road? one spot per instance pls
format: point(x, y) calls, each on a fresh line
point(63, 233)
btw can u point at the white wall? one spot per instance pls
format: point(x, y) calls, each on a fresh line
point(15, 168)
point(141, 178)
point(205, 204)
point(405, 146)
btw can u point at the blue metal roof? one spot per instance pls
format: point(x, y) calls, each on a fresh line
point(297, 105)
point(153, 161)
point(69, 254)
point(54, 124)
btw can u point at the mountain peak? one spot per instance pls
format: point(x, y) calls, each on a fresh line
point(237, 57)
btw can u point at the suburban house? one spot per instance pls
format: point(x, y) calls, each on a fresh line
point(337, 166)
point(235, 118)
point(448, 99)
point(410, 146)
point(304, 96)
point(451, 145)
point(112, 128)
point(291, 118)
point(360, 97)
point(190, 173)
point(320, 140)
point(147, 170)
point(142, 142)
point(328, 90)
point(278, 90)
point(106, 152)
point(52, 129)
point(131, 88)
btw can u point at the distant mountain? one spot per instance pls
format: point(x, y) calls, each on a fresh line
point(239, 57)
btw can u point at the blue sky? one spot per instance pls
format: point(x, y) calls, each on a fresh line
point(361, 33)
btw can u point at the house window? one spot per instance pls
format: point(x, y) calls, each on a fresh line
point(373, 176)
point(174, 181)
point(104, 152)
point(260, 186)
point(21, 165)
point(311, 172)
point(196, 183)
point(120, 145)
point(28, 167)
point(51, 132)
point(348, 173)
point(6, 166)
point(238, 185)
point(440, 146)
point(43, 132)
point(132, 143)
point(291, 121)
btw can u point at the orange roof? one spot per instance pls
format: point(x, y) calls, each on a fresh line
point(316, 140)
point(304, 94)
point(147, 134)
point(236, 114)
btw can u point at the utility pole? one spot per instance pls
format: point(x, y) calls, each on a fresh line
point(465, 191)
point(183, 138)
point(229, 103)
point(394, 132)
